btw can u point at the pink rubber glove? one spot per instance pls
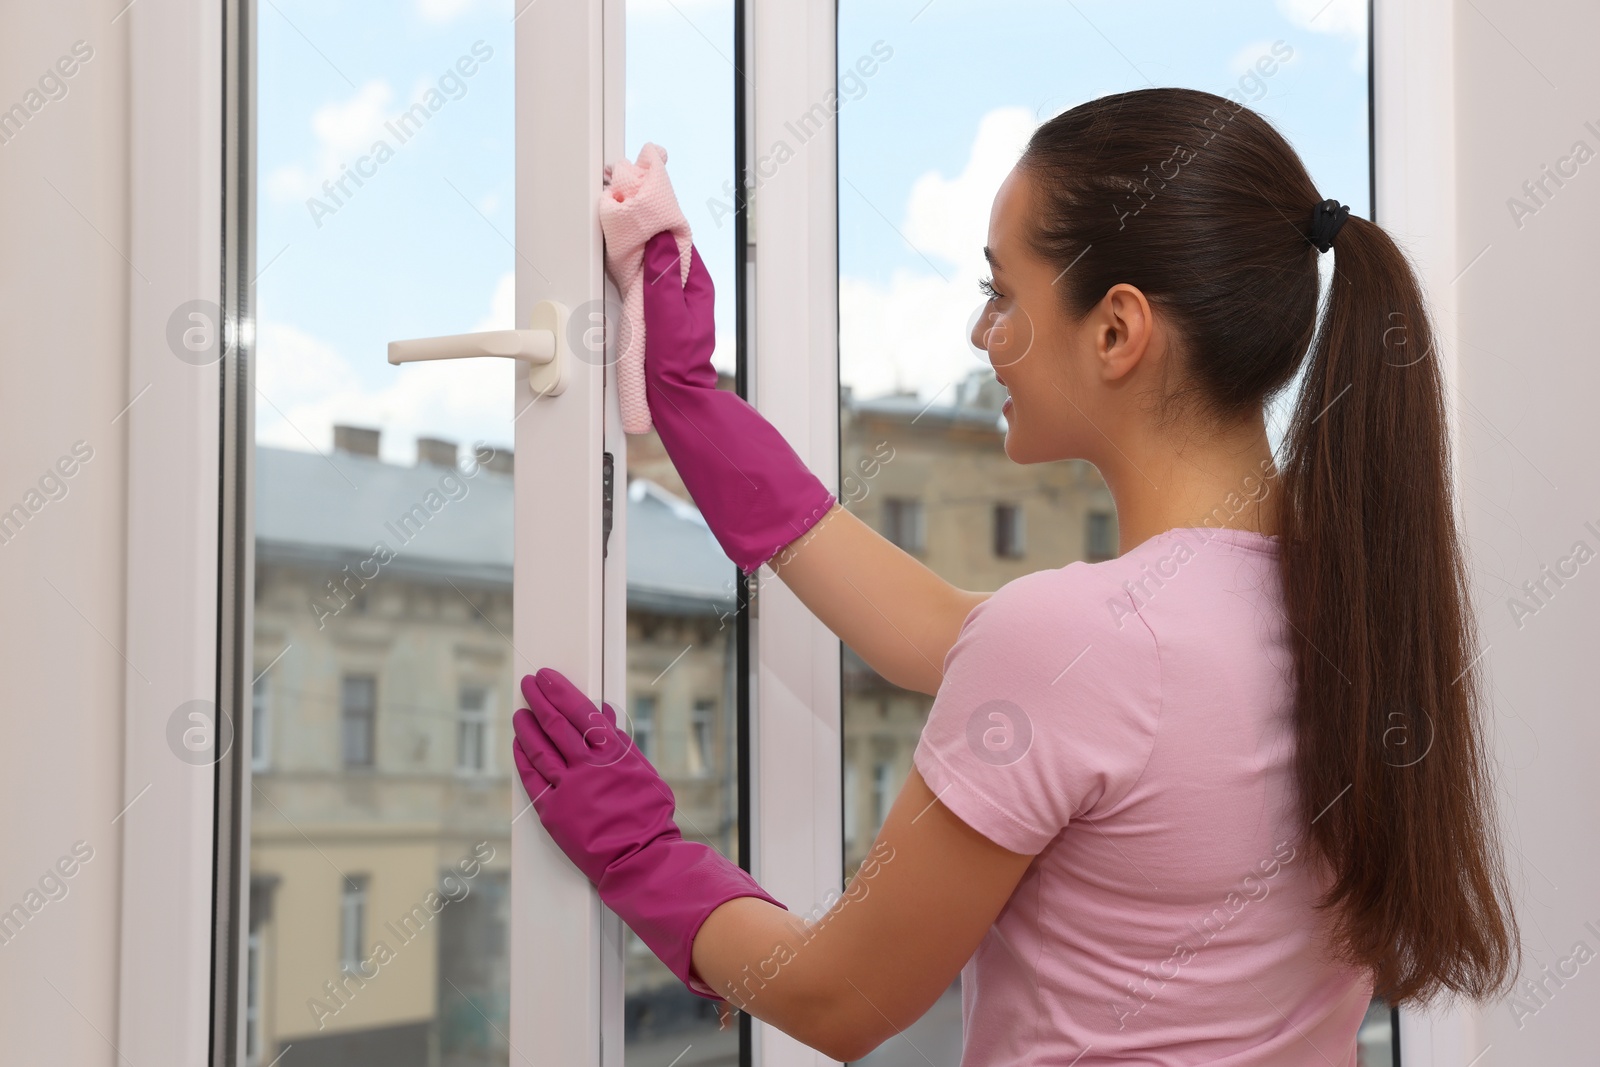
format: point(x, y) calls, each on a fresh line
point(611, 813)
point(637, 203)
point(754, 491)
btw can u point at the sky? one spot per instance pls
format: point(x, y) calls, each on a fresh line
point(422, 245)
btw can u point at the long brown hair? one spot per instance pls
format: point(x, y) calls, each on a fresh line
point(1205, 207)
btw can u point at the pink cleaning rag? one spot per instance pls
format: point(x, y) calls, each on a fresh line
point(637, 204)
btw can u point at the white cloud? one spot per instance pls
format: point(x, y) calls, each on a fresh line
point(1244, 60)
point(910, 335)
point(1337, 18)
point(288, 182)
point(344, 130)
point(912, 332)
point(1343, 18)
point(502, 306)
point(949, 217)
point(439, 12)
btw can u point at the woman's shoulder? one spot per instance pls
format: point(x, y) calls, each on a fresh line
point(1075, 606)
point(1194, 559)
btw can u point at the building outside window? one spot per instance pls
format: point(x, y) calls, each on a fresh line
point(904, 523)
point(1008, 543)
point(358, 701)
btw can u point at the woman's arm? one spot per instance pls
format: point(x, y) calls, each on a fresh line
point(756, 494)
point(878, 959)
point(895, 613)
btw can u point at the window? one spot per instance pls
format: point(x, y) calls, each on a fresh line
point(352, 921)
point(357, 712)
point(701, 722)
point(252, 999)
point(1008, 531)
point(453, 181)
point(644, 726)
point(260, 724)
point(1098, 544)
point(852, 801)
point(472, 730)
point(903, 523)
point(385, 504)
point(883, 786)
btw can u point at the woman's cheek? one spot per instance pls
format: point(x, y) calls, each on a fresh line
point(1018, 337)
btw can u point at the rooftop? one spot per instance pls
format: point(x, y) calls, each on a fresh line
point(442, 524)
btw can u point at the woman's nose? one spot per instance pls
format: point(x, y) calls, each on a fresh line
point(982, 329)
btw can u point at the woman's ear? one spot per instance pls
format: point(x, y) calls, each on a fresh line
point(1123, 331)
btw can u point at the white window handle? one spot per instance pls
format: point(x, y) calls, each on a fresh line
point(543, 347)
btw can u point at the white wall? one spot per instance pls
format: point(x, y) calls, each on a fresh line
point(1529, 357)
point(64, 229)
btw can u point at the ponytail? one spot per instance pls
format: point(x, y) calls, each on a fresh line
point(1210, 217)
point(1389, 759)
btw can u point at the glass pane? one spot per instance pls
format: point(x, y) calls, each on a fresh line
point(681, 654)
point(936, 102)
point(383, 791)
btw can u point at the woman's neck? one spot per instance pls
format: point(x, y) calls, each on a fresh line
point(1225, 479)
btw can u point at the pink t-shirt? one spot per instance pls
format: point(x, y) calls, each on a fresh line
point(1128, 724)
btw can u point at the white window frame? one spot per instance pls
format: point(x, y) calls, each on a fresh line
point(570, 1014)
point(791, 52)
point(175, 145)
point(569, 110)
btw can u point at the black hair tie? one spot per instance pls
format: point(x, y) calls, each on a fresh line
point(1326, 219)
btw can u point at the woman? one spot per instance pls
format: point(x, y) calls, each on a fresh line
point(1194, 804)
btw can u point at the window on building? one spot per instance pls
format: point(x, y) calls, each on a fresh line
point(472, 730)
point(903, 523)
point(701, 722)
point(644, 726)
point(882, 791)
point(260, 725)
point(852, 801)
point(252, 999)
point(358, 705)
point(1008, 531)
point(352, 921)
point(1098, 544)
